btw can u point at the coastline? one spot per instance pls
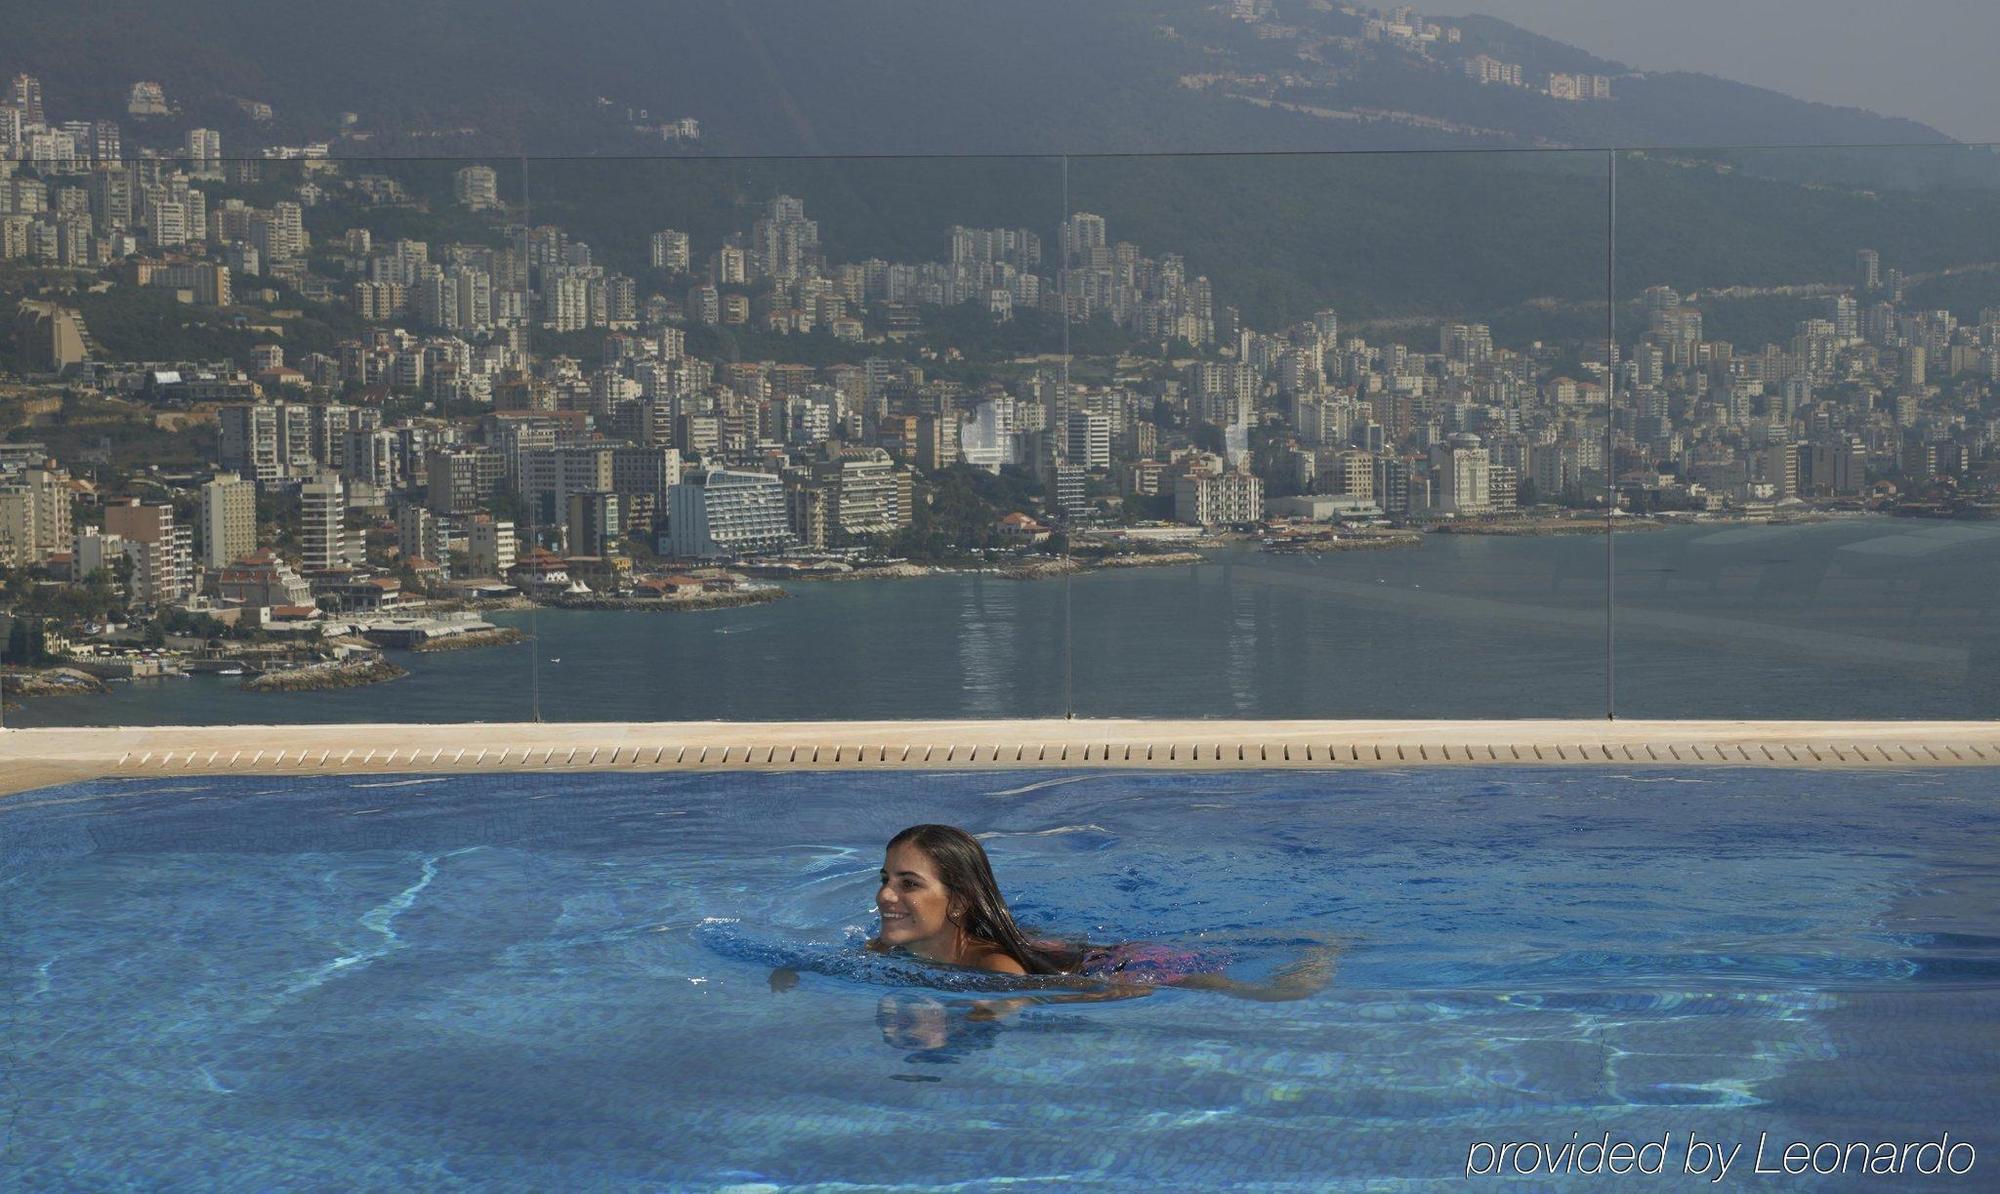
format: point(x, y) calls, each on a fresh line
point(1633, 522)
point(1565, 526)
point(1033, 569)
point(342, 673)
point(1317, 546)
point(499, 636)
point(51, 681)
point(700, 601)
point(1161, 559)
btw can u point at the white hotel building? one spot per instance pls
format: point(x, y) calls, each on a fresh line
point(726, 513)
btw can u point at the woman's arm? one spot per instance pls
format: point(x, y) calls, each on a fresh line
point(1303, 978)
point(1000, 1009)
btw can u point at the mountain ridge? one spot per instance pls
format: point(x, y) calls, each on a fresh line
point(870, 76)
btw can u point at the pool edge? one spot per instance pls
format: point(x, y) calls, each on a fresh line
point(35, 758)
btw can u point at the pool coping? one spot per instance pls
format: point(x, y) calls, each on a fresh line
point(33, 758)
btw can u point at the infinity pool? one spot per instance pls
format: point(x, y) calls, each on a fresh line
point(564, 983)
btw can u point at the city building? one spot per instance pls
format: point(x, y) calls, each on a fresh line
point(862, 495)
point(461, 480)
point(35, 516)
point(50, 337)
point(489, 546)
point(323, 519)
point(595, 524)
point(261, 579)
point(1088, 442)
point(1226, 499)
point(722, 512)
point(228, 520)
point(420, 535)
point(1461, 476)
point(161, 552)
point(476, 188)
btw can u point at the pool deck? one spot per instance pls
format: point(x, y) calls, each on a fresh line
point(34, 758)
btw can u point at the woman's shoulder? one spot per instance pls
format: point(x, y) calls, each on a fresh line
point(987, 956)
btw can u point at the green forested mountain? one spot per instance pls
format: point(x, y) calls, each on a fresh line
point(868, 76)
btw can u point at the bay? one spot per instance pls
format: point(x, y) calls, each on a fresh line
point(1854, 617)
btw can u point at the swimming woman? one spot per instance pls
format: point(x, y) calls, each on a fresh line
point(938, 901)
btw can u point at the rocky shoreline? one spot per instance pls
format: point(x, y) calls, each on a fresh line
point(1037, 569)
point(499, 636)
point(442, 605)
point(1567, 526)
point(315, 677)
point(1350, 543)
point(901, 571)
point(1157, 559)
point(1033, 569)
point(55, 681)
point(700, 601)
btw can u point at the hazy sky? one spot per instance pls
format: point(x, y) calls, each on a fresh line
point(1929, 60)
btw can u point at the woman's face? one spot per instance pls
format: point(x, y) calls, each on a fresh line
point(916, 909)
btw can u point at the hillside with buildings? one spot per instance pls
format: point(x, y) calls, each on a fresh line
point(260, 394)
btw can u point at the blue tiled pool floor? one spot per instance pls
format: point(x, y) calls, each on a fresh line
point(545, 982)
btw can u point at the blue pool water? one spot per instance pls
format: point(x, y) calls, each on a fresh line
point(542, 982)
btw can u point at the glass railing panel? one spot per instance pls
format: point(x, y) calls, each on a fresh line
point(1353, 414)
point(837, 358)
point(240, 378)
point(1808, 343)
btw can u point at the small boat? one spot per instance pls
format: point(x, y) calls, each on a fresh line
point(229, 671)
point(555, 659)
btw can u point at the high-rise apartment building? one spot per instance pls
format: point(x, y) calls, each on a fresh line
point(723, 512)
point(25, 93)
point(1082, 233)
point(862, 494)
point(250, 444)
point(204, 151)
point(228, 520)
point(670, 250)
point(594, 522)
point(323, 516)
point(1225, 499)
point(161, 552)
point(35, 516)
point(489, 545)
point(476, 187)
point(1088, 440)
point(785, 242)
point(1461, 475)
point(462, 479)
point(420, 534)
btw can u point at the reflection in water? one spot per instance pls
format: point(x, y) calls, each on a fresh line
point(934, 1034)
point(1242, 640)
point(988, 614)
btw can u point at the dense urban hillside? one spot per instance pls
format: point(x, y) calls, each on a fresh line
point(1372, 233)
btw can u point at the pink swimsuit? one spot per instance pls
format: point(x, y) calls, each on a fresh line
point(1143, 961)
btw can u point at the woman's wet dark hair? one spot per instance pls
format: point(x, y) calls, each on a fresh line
point(963, 869)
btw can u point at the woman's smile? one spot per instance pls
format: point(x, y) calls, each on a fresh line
point(914, 906)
